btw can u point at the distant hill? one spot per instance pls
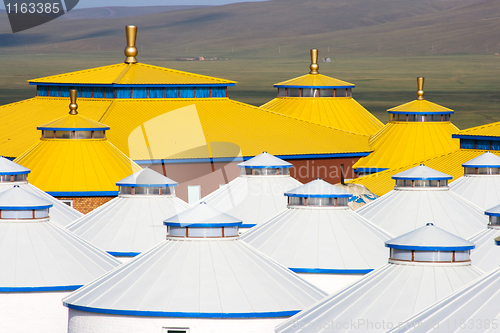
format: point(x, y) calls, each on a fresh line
point(120, 12)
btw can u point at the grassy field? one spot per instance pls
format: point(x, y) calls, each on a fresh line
point(468, 84)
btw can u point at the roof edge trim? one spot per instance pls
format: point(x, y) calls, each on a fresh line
point(202, 225)
point(319, 195)
point(475, 137)
point(330, 271)
point(420, 112)
point(147, 185)
point(15, 173)
point(117, 85)
point(430, 248)
point(318, 87)
point(83, 193)
point(423, 178)
point(72, 129)
point(32, 289)
point(123, 254)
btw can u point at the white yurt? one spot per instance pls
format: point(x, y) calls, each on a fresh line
point(320, 238)
point(258, 193)
point(132, 222)
point(480, 183)
point(421, 195)
point(40, 263)
point(471, 309)
point(203, 278)
point(486, 255)
point(14, 174)
point(425, 266)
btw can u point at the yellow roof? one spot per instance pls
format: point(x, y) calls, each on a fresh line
point(315, 80)
point(68, 165)
point(131, 74)
point(337, 112)
point(402, 143)
point(451, 163)
point(420, 106)
point(20, 120)
point(492, 129)
point(203, 128)
point(74, 121)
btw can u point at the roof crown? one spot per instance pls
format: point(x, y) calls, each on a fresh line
point(485, 160)
point(17, 198)
point(493, 211)
point(429, 238)
point(422, 172)
point(318, 188)
point(7, 167)
point(265, 160)
point(146, 178)
point(202, 216)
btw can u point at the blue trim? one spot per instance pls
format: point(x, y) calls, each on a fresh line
point(318, 195)
point(314, 87)
point(76, 129)
point(371, 170)
point(32, 289)
point(330, 271)
point(132, 85)
point(147, 185)
point(248, 225)
point(84, 194)
point(476, 137)
point(423, 113)
point(430, 248)
point(497, 242)
point(491, 214)
point(25, 207)
point(202, 225)
point(183, 314)
point(246, 158)
point(124, 254)
point(264, 167)
point(423, 178)
point(481, 166)
point(15, 173)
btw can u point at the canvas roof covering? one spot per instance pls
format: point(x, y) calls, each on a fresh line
point(146, 177)
point(321, 239)
point(389, 294)
point(487, 159)
point(421, 172)
point(38, 255)
point(265, 160)
point(318, 188)
point(7, 167)
point(487, 130)
point(73, 122)
point(486, 255)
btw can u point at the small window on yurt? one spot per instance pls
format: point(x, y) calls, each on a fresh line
point(293, 92)
point(281, 92)
point(83, 135)
point(64, 134)
point(494, 220)
point(400, 254)
point(310, 92)
point(340, 92)
point(326, 93)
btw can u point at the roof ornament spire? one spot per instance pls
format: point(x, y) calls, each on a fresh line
point(131, 50)
point(314, 62)
point(73, 106)
point(420, 85)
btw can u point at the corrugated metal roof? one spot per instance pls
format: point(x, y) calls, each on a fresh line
point(201, 214)
point(486, 255)
point(314, 80)
point(17, 198)
point(487, 159)
point(401, 211)
point(482, 190)
point(492, 129)
point(202, 278)
point(344, 113)
point(265, 160)
point(7, 167)
point(403, 143)
point(322, 239)
point(73, 121)
point(450, 163)
point(473, 309)
point(128, 225)
point(423, 106)
point(318, 188)
point(253, 199)
point(421, 172)
point(390, 294)
point(68, 165)
point(146, 177)
point(130, 74)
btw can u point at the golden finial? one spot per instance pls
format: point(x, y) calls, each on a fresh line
point(420, 85)
point(72, 97)
point(131, 50)
point(314, 62)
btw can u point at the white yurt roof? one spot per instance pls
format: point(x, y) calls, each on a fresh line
point(429, 238)
point(146, 178)
point(484, 160)
point(18, 199)
point(128, 225)
point(201, 278)
point(486, 255)
point(318, 188)
point(400, 211)
point(38, 255)
point(7, 167)
point(265, 160)
point(202, 214)
point(253, 200)
point(483, 191)
point(321, 240)
point(470, 309)
point(421, 172)
point(493, 211)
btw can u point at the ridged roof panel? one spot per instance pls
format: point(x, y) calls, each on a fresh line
point(422, 106)
point(315, 80)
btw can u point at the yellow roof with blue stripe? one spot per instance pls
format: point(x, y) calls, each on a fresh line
point(420, 106)
point(314, 81)
point(487, 130)
point(74, 122)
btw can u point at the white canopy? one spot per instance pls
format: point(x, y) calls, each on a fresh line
point(486, 255)
point(7, 167)
point(421, 172)
point(484, 160)
point(483, 190)
point(320, 189)
point(265, 160)
point(146, 178)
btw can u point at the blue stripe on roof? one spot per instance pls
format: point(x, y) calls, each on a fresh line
point(124, 254)
point(264, 167)
point(115, 85)
point(314, 87)
point(371, 170)
point(34, 289)
point(423, 113)
point(15, 173)
point(25, 207)
point(202, 225)
point(319, 195)
point(423, 178)
point(76, 129)
point(183, 314)
point(430, 248)
point(84, 194)
point(476, 137)
point(248, 225)
point(497, 242)
point(147, 185)
point(331, 271)
point(491, 214)
point(481, 166)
